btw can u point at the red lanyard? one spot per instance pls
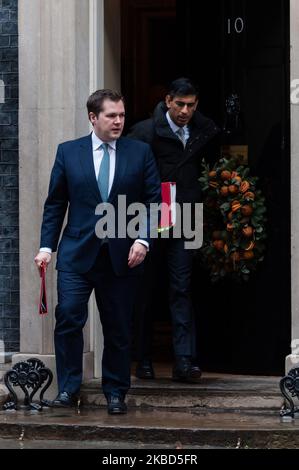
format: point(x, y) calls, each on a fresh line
point(43, 307)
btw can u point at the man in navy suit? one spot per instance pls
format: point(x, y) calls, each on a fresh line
point(89, 171)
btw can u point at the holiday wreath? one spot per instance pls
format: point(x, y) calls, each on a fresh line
point(234, 220)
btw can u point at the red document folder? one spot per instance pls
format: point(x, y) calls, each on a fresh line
point(168, 214)
point(43, 306)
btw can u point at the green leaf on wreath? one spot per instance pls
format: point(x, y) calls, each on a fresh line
point(244, 270)
point(261, 210)
point(225, 206)
point(255, 221)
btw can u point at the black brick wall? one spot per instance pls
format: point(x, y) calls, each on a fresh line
point(9, 204)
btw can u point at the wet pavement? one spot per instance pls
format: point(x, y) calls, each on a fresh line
point(216, 429)
point(86, 445)
point(157, 419)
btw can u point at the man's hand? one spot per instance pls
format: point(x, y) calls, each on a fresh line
point(136, 255)
point(42, 257)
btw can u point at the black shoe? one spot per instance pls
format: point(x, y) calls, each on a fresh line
point(144, 370)
point(116, 405)
point(195, 373)
point(65, 400)
point(182, 369)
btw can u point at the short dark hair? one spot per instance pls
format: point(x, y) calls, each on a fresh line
point(182, 87)
point(95, 101)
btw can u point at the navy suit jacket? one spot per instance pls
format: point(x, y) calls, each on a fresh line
point(73, 186)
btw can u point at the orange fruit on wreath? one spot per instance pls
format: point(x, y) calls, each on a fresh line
point(235, 205)
point(248, 255)
point(247, 210)
point(225, 175)
point(244, 187)
point(233, 189)
point(238, 179)
point(247, 231)
point(235, 201)
point(249, 195)
point(212, 174)
point(224, 191)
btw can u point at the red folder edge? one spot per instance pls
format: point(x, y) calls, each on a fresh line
point(167, 215)
point(43, 306)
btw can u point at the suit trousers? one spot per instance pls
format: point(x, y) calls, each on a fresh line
point(115, 297)
point(179, 263)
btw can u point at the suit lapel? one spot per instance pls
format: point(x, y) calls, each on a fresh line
point(121, 161)
point(86, 159)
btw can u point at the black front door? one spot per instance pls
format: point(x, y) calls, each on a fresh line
point(242, 47)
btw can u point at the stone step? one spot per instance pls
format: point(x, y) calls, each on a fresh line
point(143, 426)
point(86, 445)
point(214, 391)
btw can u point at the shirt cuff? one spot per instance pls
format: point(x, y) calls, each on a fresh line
point(46, 250)
point(143, 242)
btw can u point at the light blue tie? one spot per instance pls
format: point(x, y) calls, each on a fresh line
point(103, 177)
point(181, 135)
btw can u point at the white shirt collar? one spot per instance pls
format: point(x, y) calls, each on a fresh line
point(173, 126)
point(97, 142)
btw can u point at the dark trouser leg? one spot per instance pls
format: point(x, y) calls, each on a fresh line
point(71, 314)
point(115, 298)
point(180, 263)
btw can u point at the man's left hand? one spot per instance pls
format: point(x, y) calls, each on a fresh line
point(136, 255)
